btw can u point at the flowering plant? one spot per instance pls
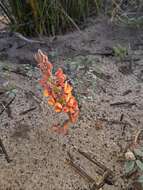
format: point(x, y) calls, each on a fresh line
point(58, 91)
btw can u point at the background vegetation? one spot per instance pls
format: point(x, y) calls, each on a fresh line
point(50, 17)
point(46, 17)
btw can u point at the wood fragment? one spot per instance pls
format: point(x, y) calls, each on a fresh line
point(4, 152)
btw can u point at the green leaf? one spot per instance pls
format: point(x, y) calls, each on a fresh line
point(139, 164)
point(138, 152)
point(129, 166)
point(140, 179)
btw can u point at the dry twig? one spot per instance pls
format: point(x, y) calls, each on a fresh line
point(7, 105)
point(4, 151)
point(137, 136)
point(27, 111)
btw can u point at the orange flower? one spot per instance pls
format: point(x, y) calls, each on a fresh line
point(51, 101)
point(59, 73)
point(65, 109)
point(47, 73)
point(44, 63)
point(42, 58)
point(71, 110)
point(60, 81)
point(58, 107)
point(71, 102)
point(45, 93)
point(60, 77)
point(67, 97)
point(39, 56)
point(67, 88)
point(75, 105)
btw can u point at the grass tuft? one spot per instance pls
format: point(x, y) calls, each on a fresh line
point(46, 17)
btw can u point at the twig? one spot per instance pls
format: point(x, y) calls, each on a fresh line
point(102, 76)
point(137, 136)
point(131, 59)
point(104, 53)
point(93, 160)
point(4, 151)
point(122, 116)
point(102, 183)
point(124, 126)
point(79, 170)
point(126, 92)
point(123, 129)
point(27, 111)
point(112, 121)
point(2, 91)
point(7, 105)
point(109, 179)
point(28, 40)
point(123, 103)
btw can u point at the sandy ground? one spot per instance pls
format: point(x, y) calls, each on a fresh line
point(38, 154)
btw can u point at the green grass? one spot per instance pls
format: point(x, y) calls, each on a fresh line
point(47, 17)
